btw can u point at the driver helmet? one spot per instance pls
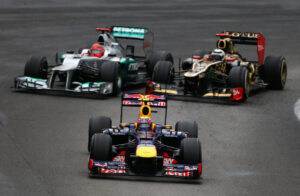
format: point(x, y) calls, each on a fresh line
point(218, 55)
point(97, 50)
point(144, 124)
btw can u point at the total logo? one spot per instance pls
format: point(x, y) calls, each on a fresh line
point(235, 92)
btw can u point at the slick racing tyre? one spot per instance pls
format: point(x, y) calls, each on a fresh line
point(163, 72)
point(155, 57)
point(191, 154)
point(97, 125)
point(190, 151)
point(238, 77)
point(189, 127)
point(101, 147)
point(110, 72)
point(36, 67)
point(275, 71)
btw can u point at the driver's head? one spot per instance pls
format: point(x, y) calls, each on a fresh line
point(97, 50)
point(217, 55)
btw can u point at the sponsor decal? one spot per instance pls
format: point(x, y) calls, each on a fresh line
point(168, 160)
point(237, 94)
point(158, 104)
point(127, 102)
point(260, 47)
point(112, 171)
point(162, 97)
point(129, 30)
point(242, 34)
point(133, 96)
point(184, 174)
point(120, 157)
point(133, 67)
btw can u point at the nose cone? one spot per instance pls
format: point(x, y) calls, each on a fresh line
point(146, 151)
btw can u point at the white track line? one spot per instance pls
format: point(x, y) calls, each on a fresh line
point(297, 109)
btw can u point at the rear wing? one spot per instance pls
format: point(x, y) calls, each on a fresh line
point(129, 32)
point(137, 100)
point(133, 33)
point(247, 38)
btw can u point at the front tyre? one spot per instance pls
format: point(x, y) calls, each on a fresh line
point(275, 72)
point(238, 77)
point(191, 153)
point(110, 72)
point(36, 67)
point(101, 147)
point(97, 125)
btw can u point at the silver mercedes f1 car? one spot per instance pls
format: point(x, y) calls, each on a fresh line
point(103, 69)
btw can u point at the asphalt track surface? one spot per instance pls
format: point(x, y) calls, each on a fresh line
point(248, 149)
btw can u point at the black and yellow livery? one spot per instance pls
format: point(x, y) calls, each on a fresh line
point(223, 72)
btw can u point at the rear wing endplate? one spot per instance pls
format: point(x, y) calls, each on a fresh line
point(247, 38)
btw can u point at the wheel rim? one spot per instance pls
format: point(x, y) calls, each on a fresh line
point(119, 82)
point(247, 84)
point(283, 73)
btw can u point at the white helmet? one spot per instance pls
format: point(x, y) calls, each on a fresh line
point(218, 55)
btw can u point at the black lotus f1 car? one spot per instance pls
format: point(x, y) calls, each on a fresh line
point(144, 147)
point(222, 73)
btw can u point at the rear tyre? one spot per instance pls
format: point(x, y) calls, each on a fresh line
point(238, 77)
point(189, 127)
point(36, 67)
point(97, 125)
point(163, 72)
point(110, 72)
point(158, 56)
point(275, 72)
point(101, 148)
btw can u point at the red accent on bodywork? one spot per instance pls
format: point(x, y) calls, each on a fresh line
point(168, 159)
point(161, 97)
point(91, 163)
point(120, 157)
point(230, 59)
point(200, 169)
point(197, 57)
point(207, 58)
point(223, 35)
point(237, 94)
point(103, 29)
point(149, 88)
point(260, 48)
point(147, 44)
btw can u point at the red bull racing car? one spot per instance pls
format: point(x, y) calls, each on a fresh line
point(222, 73)
point(144, 147)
